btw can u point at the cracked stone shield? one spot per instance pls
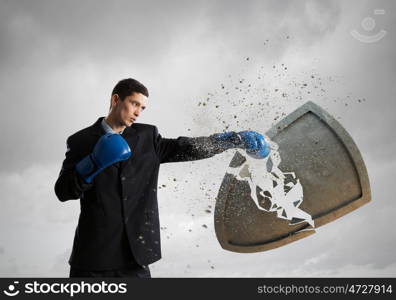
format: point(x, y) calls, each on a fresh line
point(323, 156)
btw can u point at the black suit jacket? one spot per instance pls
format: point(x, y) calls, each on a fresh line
point(119, 224)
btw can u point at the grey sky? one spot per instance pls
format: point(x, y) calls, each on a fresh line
point(59, 61)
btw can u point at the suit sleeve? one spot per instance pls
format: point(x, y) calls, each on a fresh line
point(185, 148)
point(70, 185)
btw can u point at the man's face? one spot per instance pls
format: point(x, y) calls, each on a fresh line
point(129, 110)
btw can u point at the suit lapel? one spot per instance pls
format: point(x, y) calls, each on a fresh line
point(131, 136)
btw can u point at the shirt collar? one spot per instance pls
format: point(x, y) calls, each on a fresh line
point(107, 128)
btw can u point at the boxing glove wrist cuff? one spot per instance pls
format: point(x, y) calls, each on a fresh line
point(86, 168)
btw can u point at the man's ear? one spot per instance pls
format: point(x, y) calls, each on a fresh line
point(114, 100)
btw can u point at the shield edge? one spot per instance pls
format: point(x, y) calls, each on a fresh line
point(355, 156)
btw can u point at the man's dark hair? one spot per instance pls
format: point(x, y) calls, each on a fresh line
point(126, 87)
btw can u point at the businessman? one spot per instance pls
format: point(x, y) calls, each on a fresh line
point(112, 167)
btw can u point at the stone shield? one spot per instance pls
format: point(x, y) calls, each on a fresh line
point(320, 152)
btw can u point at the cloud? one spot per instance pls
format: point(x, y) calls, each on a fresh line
point(60, 61)
point(37, 228)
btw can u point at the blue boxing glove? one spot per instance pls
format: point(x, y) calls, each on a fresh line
point(109, 149)
point(253, 142)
